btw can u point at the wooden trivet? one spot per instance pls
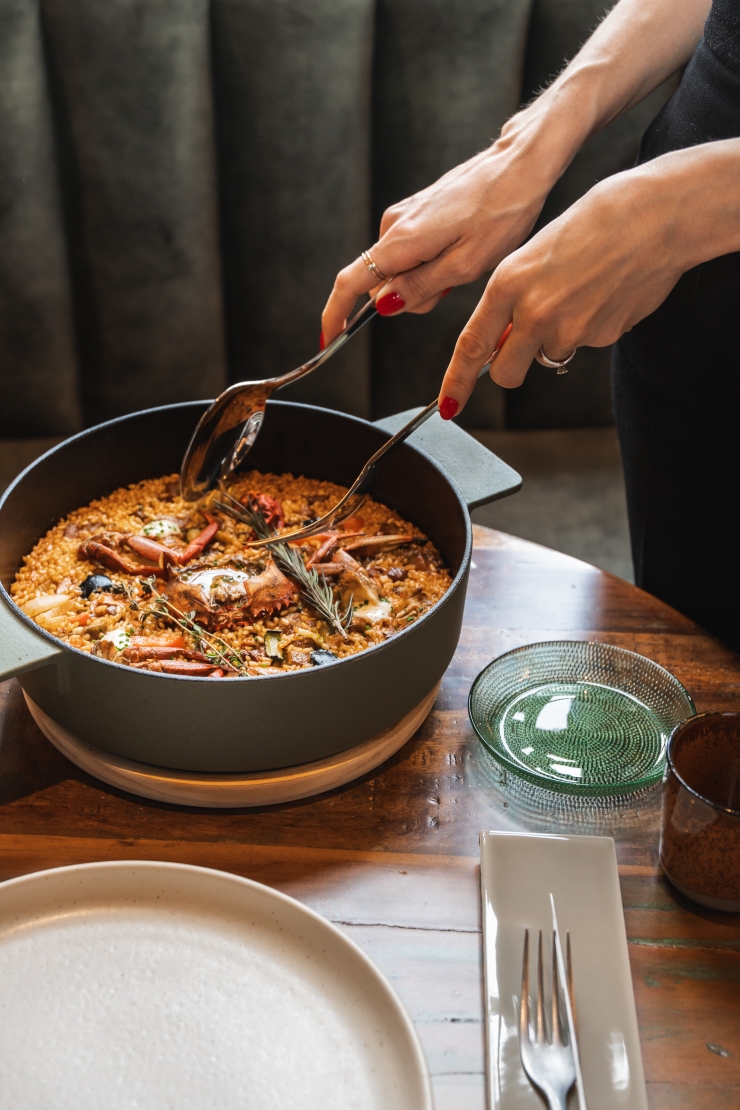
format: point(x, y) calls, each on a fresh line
point(257, 788)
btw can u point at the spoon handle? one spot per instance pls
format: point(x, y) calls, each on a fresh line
point(367, 313)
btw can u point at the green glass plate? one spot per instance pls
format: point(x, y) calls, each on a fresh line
point(579, 718)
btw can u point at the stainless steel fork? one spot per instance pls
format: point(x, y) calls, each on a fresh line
point(549, 1064)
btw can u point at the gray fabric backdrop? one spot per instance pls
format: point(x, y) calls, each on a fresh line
point(181, 179)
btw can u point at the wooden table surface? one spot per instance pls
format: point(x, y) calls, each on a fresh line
point(393, 858)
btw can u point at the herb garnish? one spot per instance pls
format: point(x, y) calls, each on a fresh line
point(316, 590)
point(214, 647)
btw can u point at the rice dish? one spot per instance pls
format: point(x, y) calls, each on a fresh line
point(143, 578)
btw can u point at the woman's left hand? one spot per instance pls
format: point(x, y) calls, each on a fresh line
point(587, 277)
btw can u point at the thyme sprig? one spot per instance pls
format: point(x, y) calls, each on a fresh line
point(212, 646)
point(316, 590)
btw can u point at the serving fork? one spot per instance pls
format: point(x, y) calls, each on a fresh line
point(549, 1064)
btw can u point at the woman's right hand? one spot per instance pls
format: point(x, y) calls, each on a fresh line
point(446, 235)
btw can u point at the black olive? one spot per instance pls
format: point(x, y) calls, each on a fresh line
point(322, 656)
point(95, 583)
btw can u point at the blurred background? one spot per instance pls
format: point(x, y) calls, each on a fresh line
point(180, 180)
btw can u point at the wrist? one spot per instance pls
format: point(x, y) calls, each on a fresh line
point(693, 195)
point(549, 132)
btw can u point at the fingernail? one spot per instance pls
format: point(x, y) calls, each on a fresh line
point(446, 291)
point(504, 337)
point(321, 342)
point(390, 303)
point(448, 407)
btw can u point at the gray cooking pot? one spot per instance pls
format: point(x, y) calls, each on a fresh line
point(264, 722)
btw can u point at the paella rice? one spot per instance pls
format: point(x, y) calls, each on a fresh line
point(143, 578)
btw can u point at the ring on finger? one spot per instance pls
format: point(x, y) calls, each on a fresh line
point(553, 364)
point(367, 258)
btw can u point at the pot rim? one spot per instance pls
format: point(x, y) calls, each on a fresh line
point(670, 764)
point(454, 585)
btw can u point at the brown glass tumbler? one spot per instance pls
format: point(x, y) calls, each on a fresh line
point(700, 835)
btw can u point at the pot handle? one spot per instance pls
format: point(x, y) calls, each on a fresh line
point(22, 649)
point(480, 475)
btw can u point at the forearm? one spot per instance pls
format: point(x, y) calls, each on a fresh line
point(692, 195)
point(636, 47)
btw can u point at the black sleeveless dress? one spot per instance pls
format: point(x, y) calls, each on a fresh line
point(676, 380)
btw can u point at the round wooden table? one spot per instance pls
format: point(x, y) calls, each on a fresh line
point(393, 858)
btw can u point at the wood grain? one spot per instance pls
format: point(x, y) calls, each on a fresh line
point(392, 858)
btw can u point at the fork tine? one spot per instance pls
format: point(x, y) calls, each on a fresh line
point(540, 995)
point(556, 1038)
point(524, 1000)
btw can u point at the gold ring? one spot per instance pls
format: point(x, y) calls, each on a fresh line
point(368, 260)
point(551, 362)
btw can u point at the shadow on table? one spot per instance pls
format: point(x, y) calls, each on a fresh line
point(28, 762)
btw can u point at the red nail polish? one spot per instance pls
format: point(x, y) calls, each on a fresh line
point(448, 407)
point(321, 342)
point(504, 337)
point(390, 303)
point(446, 291)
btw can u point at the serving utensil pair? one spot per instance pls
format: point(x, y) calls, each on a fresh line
point(229, 427)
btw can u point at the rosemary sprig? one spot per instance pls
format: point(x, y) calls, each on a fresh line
point(316, 590)
point(249, 514)
point(217, 648)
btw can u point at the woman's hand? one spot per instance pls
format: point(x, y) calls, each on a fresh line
point(448, 234)
point(469, 220)
point(606, 263)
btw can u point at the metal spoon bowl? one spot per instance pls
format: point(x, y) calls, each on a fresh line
point(229, 427)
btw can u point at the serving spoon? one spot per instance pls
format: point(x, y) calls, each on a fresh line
point(229, 427)
point(357, 493)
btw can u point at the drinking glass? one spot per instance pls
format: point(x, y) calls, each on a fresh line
point(700, 835)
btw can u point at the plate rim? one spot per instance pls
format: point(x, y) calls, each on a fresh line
point(416, 1057)
point(556, 785)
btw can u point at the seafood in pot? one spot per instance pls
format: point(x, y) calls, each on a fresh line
point(224, 595)
point(147, 580)
point(106, 548)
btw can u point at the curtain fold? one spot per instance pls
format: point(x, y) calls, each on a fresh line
point(39, 382)
point(180, 180)
point(132, 93)
point(293, 108)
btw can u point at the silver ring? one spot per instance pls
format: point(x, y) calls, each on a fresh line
point(368, 260)
point(559, 366)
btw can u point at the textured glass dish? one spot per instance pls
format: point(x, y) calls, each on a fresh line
point(582, 718)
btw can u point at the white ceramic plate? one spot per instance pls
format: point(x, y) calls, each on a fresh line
point(519, 871)
point(158, 985)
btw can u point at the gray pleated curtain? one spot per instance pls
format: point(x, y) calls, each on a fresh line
point(181, 179)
